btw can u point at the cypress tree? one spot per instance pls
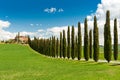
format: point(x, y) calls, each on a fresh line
point(68, 42)
point(44, 47)
point(76, 46)
point(107, 40)
point(72, 43)
point(90, 43)
point(35, 44)
point(29, 41)
point(50, 49)
point(54, 42)
point(86, 44)
point(115, 40)
point(57, 48)
point(61, 45)
point(53, 51)
point(96, 41)
point(105, 29)
point(47, 47)
point(64, 44)
point(79, 41)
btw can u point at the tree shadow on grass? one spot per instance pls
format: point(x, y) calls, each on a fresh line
point(101, 63)
point(115, 64)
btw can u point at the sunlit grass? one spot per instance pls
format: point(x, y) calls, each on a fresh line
point(19, 62)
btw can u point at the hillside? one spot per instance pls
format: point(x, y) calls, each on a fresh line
point(19, 62)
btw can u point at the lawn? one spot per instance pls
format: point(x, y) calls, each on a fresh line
point(19, 62)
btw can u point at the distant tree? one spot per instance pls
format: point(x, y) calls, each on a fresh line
point(72, 43)
point(76, 46)
point(54, 47)
point(115, 40)
point(29, 41)
point(50, 47)
point(57, 48)
point(61, 50)
point(68, 42)
point(86, 44)
point(107, 38)
point(64, 44)
point(96, 41)
point(18, 36)
point(53, 51)
point(35, 44)
point(90, 43)
point(79, 41)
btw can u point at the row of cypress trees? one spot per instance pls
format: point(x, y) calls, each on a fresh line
point(71, 46)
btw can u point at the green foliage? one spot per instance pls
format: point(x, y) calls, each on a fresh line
point(73, 48)
point(29, 41)
point(76, 46)
point(61, 48)
point(57, 48)
point(54, 46)
point(79, 41)
point(50, 47)
point(90, 43)
point(96, 40)
point(64, 44)
point(72, 43)
point(107, 38)
point(115, 40)
point(86, 44)
point(68, 42)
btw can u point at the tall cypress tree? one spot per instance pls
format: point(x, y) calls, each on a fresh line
point(57, 48)
point(79, 41)
point(107, 40)
point(76, 46)
point(115, 40)
point(86, 44)
point(68, 42)
point(50, 47)
point(90, 43)
point(29, 41)
point(44, 47)
point(61, 50)
point(54, 47)
point(96, 41)
point(105, 30)
point(72, 43)
point(64, 44)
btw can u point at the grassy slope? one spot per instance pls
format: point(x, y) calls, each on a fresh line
point(19, 62)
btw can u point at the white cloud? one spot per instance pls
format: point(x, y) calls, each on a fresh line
point(41, 30)
point(36, 24)
point(60, 10)
point(5, 35)
point(53, 10)
point(4, 24)
point(24, 33)
point(114, 7)
point(50, 10)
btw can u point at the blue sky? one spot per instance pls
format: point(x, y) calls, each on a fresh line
point(30, 15)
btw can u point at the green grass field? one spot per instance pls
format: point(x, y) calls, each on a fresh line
point(19, 62)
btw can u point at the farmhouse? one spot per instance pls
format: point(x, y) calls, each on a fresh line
point(21, 39)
